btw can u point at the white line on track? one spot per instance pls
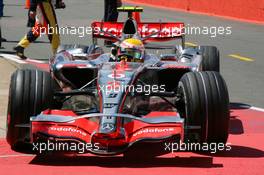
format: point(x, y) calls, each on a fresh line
point(13, 58)
point(18, 60)
point(257, 109)
point(35, 61)
point(16, 155)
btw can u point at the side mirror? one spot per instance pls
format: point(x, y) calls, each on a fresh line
point(168, 57)
point(114, 51)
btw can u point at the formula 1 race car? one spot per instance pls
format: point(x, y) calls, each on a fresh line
point(111, 101)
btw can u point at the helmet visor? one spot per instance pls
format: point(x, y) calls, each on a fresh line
point(135, 53)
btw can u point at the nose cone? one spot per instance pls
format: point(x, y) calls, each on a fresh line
point(110, 140)
point(108, 128)
point(114, 78)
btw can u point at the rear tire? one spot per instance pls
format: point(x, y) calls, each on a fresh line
point(30, 92)
point(205, 107)
point(211, 58)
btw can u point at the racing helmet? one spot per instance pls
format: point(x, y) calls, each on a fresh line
point(131, 50)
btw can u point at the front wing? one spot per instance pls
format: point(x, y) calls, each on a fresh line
point(66, 126)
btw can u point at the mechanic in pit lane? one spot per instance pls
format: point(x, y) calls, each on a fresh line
point(43, 14)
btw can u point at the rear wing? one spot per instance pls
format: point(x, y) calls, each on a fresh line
point(156, 31)
point(147, 31)
point(130, 9)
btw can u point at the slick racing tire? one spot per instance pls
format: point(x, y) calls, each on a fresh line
point(211, 58)
point(30, 92)
point(205, 107)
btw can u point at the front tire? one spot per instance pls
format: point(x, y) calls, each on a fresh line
point(30, 92)
point(205, 107)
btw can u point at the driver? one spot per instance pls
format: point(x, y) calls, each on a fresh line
point(131, 50)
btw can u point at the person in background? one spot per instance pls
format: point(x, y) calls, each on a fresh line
point(1, 8)
point(111, 14)
point(43, 14)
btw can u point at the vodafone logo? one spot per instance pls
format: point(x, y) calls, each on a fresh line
point(117, 75)
point(68, 129)
point(145, 30)
point(164, 29)
point(153, 130)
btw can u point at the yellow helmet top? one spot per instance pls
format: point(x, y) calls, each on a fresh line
point(132, 43)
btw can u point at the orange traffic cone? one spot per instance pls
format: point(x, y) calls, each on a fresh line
point(27, 5)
